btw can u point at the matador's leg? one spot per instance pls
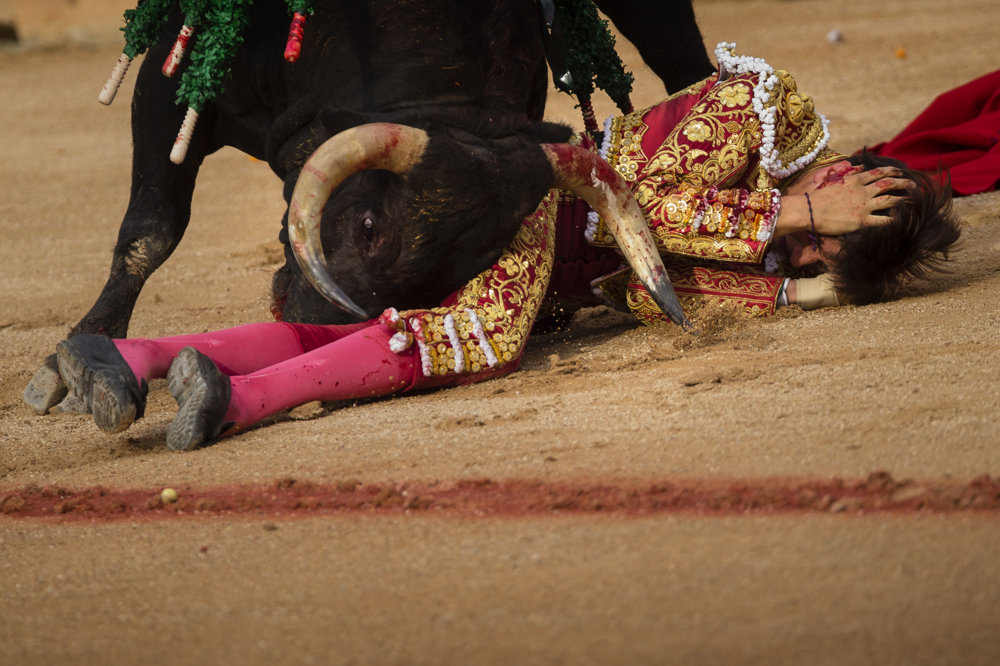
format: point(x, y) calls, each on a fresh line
point(479, 334)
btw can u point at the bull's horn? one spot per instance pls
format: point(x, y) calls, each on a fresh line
point(588, 176)
point(374, 146)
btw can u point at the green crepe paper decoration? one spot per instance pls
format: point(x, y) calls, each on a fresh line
point(592, 58)
point(194, 11)
point(304, 7)
point(220, 33)
point(142, 25)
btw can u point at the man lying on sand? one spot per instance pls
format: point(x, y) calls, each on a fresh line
point(744, 198)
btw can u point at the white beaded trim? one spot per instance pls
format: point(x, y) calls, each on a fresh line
point(390, 317)
point(399, 342)
point(606, 141)
point(425, 357)
point(456, 343)
point(484, 343)
point(729, 62)
point(592, 217)
point(773, 259)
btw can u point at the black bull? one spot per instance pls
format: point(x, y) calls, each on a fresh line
point(471, 74)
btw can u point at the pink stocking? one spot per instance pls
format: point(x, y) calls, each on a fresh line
point(236, 351)
point(360, 365)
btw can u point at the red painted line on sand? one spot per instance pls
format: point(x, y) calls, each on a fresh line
point(288, 498)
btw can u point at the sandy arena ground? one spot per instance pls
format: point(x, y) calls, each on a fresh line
point(909, 388)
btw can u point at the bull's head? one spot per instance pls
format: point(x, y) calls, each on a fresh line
point(444, 211)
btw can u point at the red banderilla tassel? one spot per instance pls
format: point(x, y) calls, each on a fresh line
point(589, 119)
point(293, 48)
point(177, 52)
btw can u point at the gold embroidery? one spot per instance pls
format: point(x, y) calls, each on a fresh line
point(697, 131)
point(796, 108)
point(709, 247)
point(696, 285)
point(717, 144)
point(786, 80)
point(737, 95)
point(625, 154)
point(505, 300)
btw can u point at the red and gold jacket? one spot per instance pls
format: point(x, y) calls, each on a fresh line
point(707, 166)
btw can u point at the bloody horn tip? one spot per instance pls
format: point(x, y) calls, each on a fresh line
point(666, 299)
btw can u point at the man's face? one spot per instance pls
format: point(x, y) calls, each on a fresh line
point(831, 174)
point(799, 245)
point(801, 252)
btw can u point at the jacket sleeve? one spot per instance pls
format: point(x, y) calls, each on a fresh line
point(696, 285)
point(697, 174)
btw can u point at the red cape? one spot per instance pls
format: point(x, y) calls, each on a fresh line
point(958, 132)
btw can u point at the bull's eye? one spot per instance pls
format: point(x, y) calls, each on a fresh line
point(368, 226)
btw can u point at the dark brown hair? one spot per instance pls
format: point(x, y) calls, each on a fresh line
point(875, 262)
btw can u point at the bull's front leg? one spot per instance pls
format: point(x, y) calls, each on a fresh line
point(157, 215)
point(667, 36)
point(159, 205)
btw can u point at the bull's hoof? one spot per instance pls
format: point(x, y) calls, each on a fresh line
point(202, 394)
point(46, 388)
point(101, 382)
